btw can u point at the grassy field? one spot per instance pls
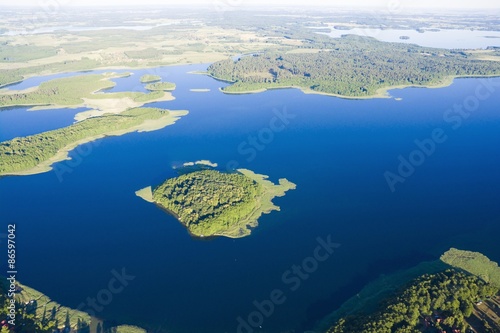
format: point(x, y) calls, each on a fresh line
point(475, 263)
point(22, 53)
point(129, 329)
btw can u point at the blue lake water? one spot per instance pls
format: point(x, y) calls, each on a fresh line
point(444, 38)
point(81, 221)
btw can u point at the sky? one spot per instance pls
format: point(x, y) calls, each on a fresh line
point(450, 4)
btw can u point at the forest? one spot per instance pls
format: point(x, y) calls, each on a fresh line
point(352, 66)
point(37, 313)
point(24, 153)
point(161, 86)
point(441, 302)
point(208, 202)
point(147, 78)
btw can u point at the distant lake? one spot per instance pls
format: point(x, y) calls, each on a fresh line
point(79, 28)
point(73, 230)
point(446, 38)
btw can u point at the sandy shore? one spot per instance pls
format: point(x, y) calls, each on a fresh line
point(114, 105)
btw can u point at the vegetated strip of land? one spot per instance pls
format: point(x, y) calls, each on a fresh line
point(148, 78)
point(81, 91)
point(211, 203)
point(161, 86)
point(351, 67)
point(36, 153)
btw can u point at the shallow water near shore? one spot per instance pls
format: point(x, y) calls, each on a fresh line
point(75, 227)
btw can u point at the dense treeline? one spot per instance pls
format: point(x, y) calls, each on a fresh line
point(147, 78)
point(208, 201)
point(37, 313)
point(353, 66)
point(441, 301)
point(27, 152)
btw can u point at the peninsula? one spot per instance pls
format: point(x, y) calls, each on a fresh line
point(350, 67)
point(36, 153)
point(212, 203)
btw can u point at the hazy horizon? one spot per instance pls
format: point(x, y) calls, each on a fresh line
point(389, 4)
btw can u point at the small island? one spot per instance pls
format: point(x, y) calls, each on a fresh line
point(213, 203)
point(161, 86)
point(148, 78)
point(200, 90)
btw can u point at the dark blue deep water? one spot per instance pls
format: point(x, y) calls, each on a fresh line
point(77, 224)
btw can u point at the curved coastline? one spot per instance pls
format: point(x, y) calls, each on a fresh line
point(63, 154)
point(261, 204)
point(382, 92)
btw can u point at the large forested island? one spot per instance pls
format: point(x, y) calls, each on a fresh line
point(213, 203)
point(36, 153)
point(352, 66)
